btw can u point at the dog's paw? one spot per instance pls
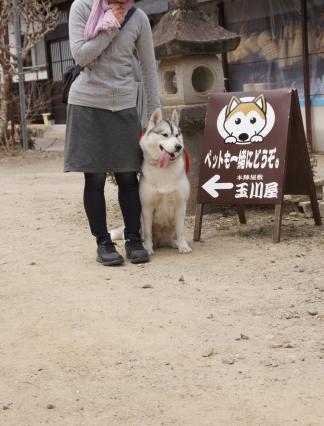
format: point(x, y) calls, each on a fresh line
point(184, 248)
point(174, 244)
point(230, 139)
point(149, 247)
point(257, 138)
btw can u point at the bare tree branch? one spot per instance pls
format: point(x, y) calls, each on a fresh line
point(38, 18)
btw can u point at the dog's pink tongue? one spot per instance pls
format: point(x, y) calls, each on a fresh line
point(164, 159)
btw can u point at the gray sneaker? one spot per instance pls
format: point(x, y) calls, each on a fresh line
point(136, 252)
point(108, 255)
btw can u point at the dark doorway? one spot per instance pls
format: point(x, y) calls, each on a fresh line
point(60, 58)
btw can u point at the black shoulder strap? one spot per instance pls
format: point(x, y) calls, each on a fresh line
point(129, 14)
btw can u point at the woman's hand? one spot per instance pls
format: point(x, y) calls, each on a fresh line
point(119, 12)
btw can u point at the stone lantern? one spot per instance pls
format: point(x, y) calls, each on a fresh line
point(187, 43)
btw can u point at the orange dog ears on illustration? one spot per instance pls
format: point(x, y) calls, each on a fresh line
point(235, 102)
point(262, 103)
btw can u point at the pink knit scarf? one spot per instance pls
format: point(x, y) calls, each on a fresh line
point(102, 18)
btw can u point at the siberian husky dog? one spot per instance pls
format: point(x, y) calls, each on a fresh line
point(164, 187)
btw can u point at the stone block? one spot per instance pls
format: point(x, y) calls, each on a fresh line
point(319, 186)
point(306, 208)
point(321, 208)
point(189, 80)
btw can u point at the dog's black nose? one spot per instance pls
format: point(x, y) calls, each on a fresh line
point(178, 147)
point(243, 137)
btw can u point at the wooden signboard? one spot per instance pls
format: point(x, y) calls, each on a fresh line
point(254, 152)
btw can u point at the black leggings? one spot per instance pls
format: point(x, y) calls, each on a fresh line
point(95, 204)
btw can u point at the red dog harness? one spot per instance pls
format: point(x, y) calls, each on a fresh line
point(187, 160)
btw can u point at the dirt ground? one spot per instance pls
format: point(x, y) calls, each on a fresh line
point(232, 334)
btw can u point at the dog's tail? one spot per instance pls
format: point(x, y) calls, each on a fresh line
point(117, 233)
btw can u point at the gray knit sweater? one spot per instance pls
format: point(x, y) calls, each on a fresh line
point(107, 80)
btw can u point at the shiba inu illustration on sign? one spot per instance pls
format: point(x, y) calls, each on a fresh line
point(246, 120)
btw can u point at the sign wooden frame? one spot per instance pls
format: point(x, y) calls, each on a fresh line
point(294, 172)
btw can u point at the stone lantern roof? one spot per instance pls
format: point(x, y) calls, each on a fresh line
point(186, 30)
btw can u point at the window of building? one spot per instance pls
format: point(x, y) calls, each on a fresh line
point(270, 53)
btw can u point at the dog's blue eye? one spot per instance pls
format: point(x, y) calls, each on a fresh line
point(238, 121)
point(253, 120)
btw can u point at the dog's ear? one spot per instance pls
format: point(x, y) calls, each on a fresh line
point(155, 118)
point(175, 117)
point(261, 102)
point(233, 103)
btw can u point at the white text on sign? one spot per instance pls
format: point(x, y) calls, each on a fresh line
point(246, 159)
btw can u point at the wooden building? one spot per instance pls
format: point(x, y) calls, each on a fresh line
point(277, 51)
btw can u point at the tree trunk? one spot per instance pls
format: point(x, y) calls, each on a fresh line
point(4, 101)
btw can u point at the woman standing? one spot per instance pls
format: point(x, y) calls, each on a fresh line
point(103, 127)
